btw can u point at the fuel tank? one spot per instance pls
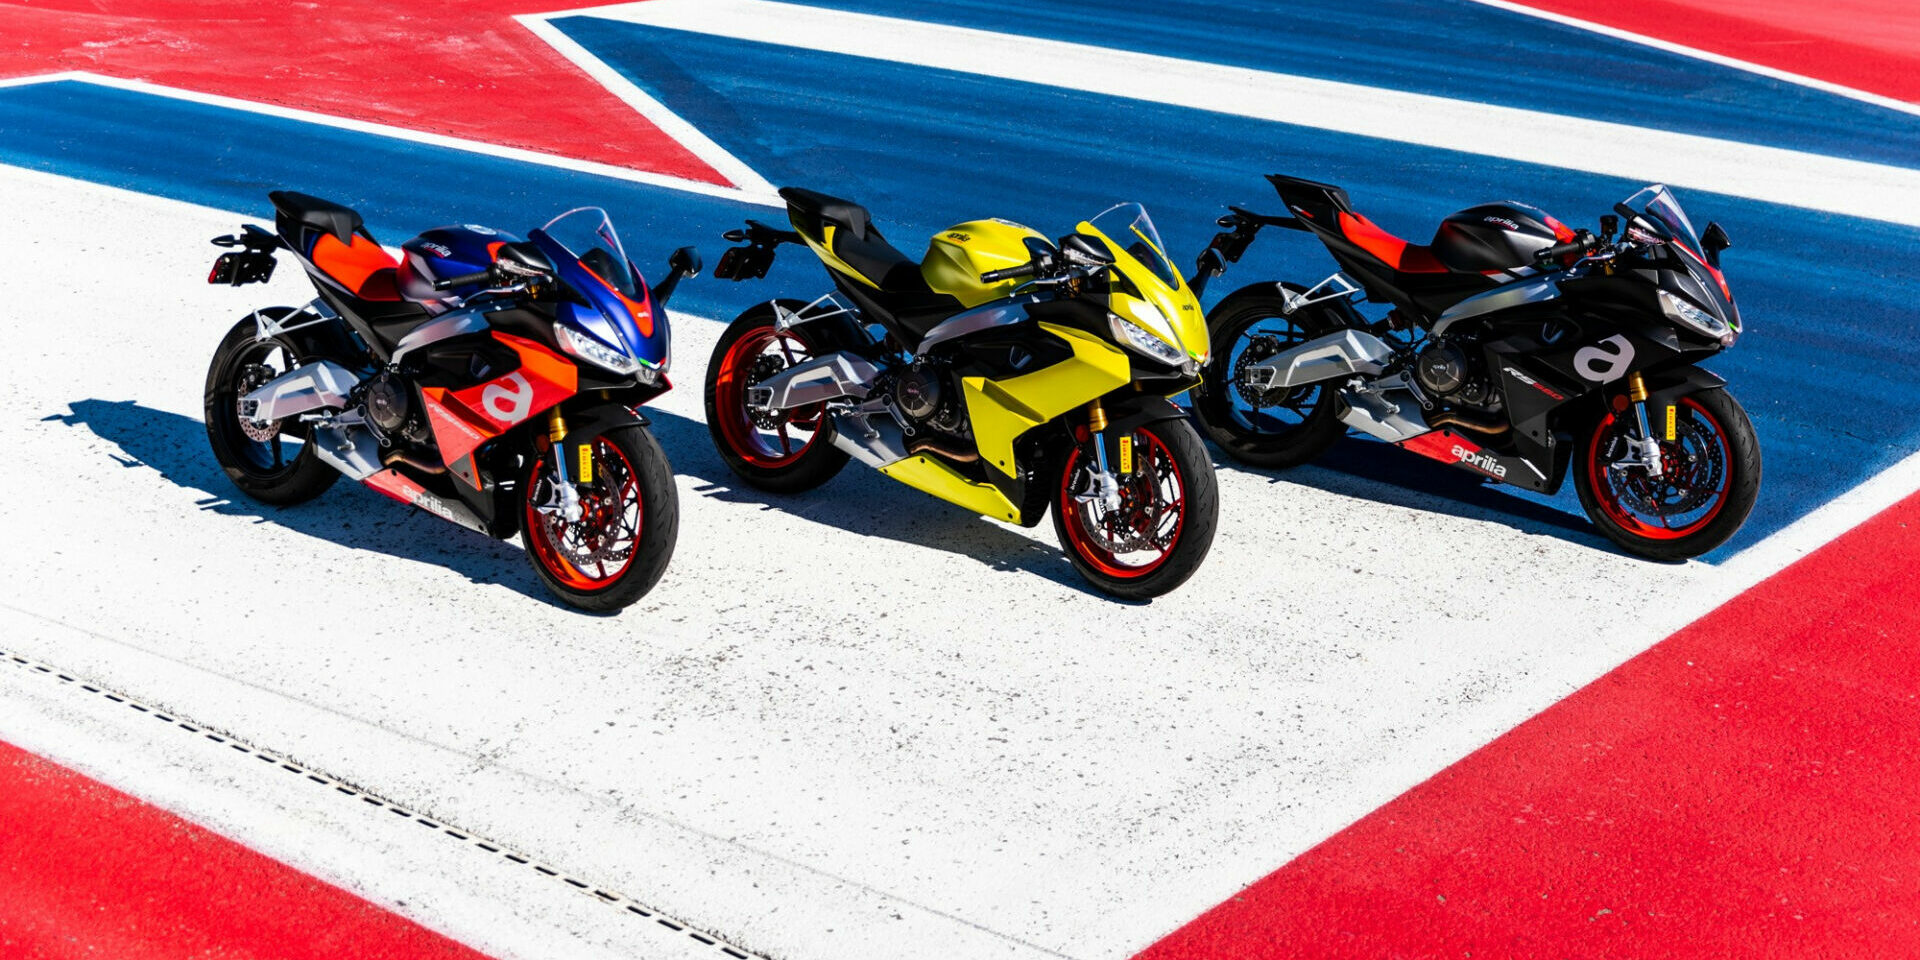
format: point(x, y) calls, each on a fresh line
point(958, 255)
point(447, 252)
point(1496, 236)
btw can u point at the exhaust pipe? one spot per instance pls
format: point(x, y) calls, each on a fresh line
point(944, 447)
point(392, 457)
point(1454, 418)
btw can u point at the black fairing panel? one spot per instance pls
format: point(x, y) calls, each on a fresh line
point(909, 312)
point(1494, 236)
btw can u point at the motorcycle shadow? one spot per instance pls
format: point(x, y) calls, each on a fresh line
point(348, 514)
point(862, 501)
point(1369, 470)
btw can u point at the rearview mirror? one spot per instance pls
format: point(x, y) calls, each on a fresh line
point(685, 261)
point(682, 263)
point(1715, 239)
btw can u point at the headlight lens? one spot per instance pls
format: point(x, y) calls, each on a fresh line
point(1145, 341)
point(599, 354)
point(1693, 318)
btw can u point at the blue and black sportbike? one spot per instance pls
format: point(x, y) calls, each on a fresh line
point(490, 380)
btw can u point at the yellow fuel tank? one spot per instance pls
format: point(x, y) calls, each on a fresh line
point(959, 254)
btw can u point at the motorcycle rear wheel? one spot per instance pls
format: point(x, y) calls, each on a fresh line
point(261, 462)
point(787, 452)
point(1277, 430)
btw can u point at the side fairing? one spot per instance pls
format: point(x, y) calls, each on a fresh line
point(465, 418)
point(1002, 410)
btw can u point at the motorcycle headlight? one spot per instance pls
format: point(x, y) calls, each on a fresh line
point(1693, 318)
point(1137, 333)
point(600, 355)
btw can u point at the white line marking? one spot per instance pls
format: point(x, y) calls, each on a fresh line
point(1824, 86)
point(756, 190)
point(653, 110)
point(1771, 174)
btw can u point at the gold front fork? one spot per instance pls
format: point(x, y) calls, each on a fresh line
point(556, 432)
point(1637, 392)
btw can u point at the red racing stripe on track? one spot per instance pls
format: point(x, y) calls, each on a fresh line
point(87, 871)
point(464, 69)
point(1747, 788)
point(1869, 45)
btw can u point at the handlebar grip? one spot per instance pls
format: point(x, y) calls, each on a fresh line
point(1559, 250)
point(1010, 273)
point(462, 280)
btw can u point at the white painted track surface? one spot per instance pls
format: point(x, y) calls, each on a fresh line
point(856, 723)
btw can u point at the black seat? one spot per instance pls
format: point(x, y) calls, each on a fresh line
point(323, 216)
point(903, 296)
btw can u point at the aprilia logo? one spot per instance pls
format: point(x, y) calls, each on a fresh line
point(508, 398)
point(1606, 361)
point(1480, 461)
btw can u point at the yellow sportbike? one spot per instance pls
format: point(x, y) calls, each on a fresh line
point(1002, 372)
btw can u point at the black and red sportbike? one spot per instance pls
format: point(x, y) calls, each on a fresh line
point(1513, 347)
point(488, 379)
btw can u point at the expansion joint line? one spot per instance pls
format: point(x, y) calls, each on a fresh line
point(343, 789)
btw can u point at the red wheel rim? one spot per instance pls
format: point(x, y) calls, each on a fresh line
point(1600, 478)
point(1154, 465)
point(618, 489)
point(758, 445)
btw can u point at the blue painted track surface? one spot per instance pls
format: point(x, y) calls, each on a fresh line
point(1826, 368)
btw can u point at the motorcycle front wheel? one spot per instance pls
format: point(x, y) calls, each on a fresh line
point(617, 548)
point(1707, 487)
point(272, 463)
point(1162, 527)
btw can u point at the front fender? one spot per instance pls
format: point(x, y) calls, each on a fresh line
point(1125, 412)
point(588, 423)
point(1673, 383)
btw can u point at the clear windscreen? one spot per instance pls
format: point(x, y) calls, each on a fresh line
point(1129, 226)
point(588, 234)
point(1659, 205)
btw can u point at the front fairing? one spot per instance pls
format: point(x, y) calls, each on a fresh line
point(1138, 293)
point(636, 326)
point(1680, 255)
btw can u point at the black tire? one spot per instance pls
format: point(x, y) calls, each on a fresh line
point(251, 463)
point(1193, 537)
point(1741, 456)
point(1234, 319)
point(734, 432)
point(659, 527)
